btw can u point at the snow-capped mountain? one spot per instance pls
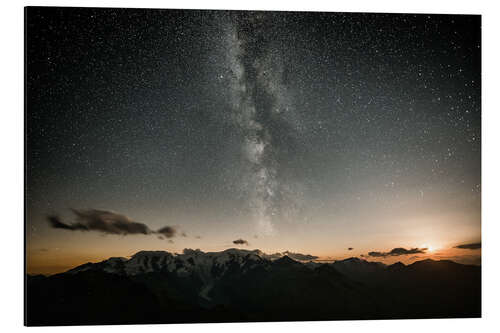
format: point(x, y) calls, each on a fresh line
point(206, 264)
point(207, 267)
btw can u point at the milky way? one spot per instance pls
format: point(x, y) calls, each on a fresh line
point(259, 101)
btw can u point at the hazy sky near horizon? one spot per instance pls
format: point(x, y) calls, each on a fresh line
point(307, 132)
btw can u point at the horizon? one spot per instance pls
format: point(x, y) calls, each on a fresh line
point(276, 255)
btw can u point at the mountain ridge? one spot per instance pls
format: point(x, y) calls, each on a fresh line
point(248, 285)
point(147, 260)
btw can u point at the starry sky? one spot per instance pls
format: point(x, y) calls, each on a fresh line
point(330, 134)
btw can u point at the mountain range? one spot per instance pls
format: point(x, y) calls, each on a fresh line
point(241, 285)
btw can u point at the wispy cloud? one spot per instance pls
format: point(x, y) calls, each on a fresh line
point(300, 256)
point(472, 246)
point(293, 255)
point(398, 251)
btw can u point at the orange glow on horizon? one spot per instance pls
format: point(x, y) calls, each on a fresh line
point(52, 262)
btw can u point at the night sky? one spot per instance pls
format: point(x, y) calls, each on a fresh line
point(327, 134)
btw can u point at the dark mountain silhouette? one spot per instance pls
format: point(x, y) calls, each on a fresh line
point(242, 285)
point(396, 267)
point(359, 269)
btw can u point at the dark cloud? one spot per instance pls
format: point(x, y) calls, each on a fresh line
point(56, 223)
point(350, 248)
point(167, 231)
point(240, 242)
point(473, 246)
point(107, 222)
point(300, 256)
point(398, 251)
